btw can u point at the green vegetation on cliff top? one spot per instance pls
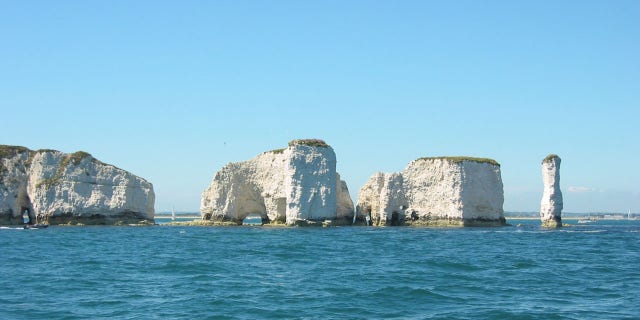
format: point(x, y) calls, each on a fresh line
point(7, 151)
point(276, 151)
point(550, 157)
point(75, 157)
point(301, 142)
point(309, 142)
point(10, 151)
point(459, 159)
point(46, 150)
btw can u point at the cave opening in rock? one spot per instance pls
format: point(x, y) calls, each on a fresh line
point(395, 218)
point(26, 208)
point(28, 216)
point(253, 219)
point(367, 216)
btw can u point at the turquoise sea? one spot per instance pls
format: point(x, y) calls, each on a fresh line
point(581, 272)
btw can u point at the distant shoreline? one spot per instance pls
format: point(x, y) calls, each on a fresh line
point(569, 218)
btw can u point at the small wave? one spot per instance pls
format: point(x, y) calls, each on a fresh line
point(11, 228)
point(584, 231)
point(410, 292)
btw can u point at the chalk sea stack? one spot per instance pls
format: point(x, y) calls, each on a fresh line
point(551, 203)
point(59, 188)
point(297, 185)
point(438, 191)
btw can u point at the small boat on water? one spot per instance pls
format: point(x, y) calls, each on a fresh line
point(586, 220)
point(36, 226)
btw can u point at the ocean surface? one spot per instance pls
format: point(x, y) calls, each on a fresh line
point(589, 271)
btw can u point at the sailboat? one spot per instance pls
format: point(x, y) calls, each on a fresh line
point(173, 214)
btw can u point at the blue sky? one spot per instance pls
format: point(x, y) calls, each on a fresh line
point(173, 90)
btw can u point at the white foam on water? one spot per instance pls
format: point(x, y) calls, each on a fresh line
point(11, 228)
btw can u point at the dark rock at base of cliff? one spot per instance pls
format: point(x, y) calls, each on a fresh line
point(124, 218)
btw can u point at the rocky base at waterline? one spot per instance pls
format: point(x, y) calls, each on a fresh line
point(439, 191)
point(117, 219)
point(456, 222)
point(57, 188)
point(298, 185)
point(272, 224)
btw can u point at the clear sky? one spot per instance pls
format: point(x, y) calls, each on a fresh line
point(174, 90)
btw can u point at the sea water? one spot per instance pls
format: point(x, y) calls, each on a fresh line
point(161, 272)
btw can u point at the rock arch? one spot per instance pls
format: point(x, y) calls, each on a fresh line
point(23, 204)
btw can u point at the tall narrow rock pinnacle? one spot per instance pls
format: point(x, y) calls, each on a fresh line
point(551, 203)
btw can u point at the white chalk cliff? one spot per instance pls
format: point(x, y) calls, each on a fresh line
point(442, 191)
point(296, 185)
point(551, 203)
point(58, 188)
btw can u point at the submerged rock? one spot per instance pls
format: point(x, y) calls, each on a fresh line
point(551, 203)
point(59, 188)
point(442, 191)
point(296, 185)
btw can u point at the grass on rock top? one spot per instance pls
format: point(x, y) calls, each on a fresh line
point(550, 157)
point(76, 157)
point(302, 142)
point(459, 159)
point(276, 151)
point(7, 151)
point(309, 142)
point(10, 151)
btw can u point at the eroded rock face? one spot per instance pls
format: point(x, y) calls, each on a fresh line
point(60, 188)
point(445, 191)
point(551, 203)
point(296, 185)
